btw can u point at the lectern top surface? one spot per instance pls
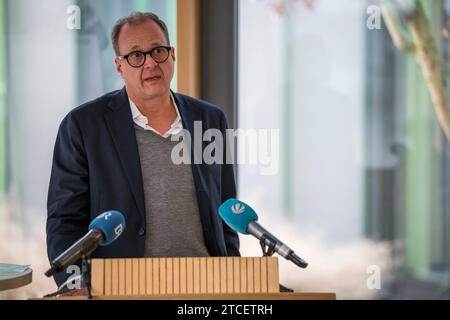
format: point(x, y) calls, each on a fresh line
point(8, 271)
point(14, 276)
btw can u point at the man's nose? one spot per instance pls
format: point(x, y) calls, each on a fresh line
point(149, 62)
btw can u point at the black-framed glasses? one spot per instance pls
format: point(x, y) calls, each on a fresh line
point(137, 59)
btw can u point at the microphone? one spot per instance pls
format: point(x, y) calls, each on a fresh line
point(242, 218)
point(103, 230)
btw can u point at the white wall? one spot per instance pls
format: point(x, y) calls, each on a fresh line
point(327, 105)
point(41, 90)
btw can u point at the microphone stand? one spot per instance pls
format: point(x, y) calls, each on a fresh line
point(268, 249)
point(86, 275)
point(267, 245)
point(85, 280)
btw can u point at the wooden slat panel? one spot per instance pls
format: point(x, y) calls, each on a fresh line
point(230, 274)
point(196, 274)
point(250, 275)
point(108, 277)
point(149, 276)
point(236, 275)
point(189, 275)
point(243, 275)
point(155, 275)
point(128, 277)
point(98, 277)
point(176, 275)
point(169, 276)
point(115, 277)
point(162, 276)
point(210, 275)
point(223, 274)
point(264, 274)
point(203, 275)
point(216, 271)
point(142, 277)
point(273, 278)
point(183, 277)
point(257, 274)
point(135, 276)
point(112, 277)
point(121, 277)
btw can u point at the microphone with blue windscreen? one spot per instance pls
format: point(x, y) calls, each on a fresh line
point(111, 224)
point(103, 230)
point(243, 219)
point(237, 215)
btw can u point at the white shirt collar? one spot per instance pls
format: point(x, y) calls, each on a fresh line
point(142, 121)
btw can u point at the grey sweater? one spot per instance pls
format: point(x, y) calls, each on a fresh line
point(173, 226)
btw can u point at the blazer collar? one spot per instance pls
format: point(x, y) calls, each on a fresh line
point(120, 124)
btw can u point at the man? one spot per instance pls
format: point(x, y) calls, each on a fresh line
point(115, 153)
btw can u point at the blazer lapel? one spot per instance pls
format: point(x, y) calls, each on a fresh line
point(120, 125)
point(189, 115)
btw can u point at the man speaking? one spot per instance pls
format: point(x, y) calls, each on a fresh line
point(114, 153)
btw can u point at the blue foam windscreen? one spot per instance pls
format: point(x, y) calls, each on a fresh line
point(237, 215)
point(111, 224)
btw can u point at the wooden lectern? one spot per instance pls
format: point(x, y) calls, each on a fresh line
point(216, 278)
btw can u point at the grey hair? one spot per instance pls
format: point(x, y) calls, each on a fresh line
point(133, 19)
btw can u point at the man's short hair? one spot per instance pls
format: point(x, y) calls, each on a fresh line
point(134, 19)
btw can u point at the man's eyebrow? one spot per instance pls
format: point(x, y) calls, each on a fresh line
point(137, 47)
point(156, 44)
point(153, 45)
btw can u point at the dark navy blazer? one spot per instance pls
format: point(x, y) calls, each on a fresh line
point(96, 168)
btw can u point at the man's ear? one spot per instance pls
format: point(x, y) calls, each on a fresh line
point(172, 53)
point(118, 67)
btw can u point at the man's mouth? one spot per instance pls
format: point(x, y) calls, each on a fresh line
point(154, 78)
